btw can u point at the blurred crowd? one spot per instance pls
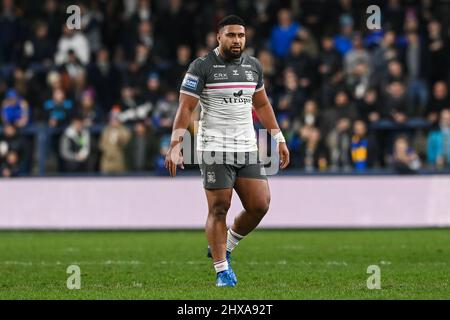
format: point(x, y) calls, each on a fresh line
point(103, 98)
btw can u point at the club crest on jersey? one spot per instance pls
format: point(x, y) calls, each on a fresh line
point(211, 177)
point(190, 81)
point(249, 76)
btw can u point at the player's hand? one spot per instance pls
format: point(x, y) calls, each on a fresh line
point(284, 155)
point(174, 158)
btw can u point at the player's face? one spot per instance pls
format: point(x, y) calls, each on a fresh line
point(232, 41)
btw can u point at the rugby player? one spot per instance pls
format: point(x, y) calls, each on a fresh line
point(228, 83)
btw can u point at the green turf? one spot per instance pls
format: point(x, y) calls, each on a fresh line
point(292, 264)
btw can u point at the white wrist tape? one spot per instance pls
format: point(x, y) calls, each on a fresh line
point(279, 137)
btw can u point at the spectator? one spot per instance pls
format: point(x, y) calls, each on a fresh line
point(105, 78)
point(438, 146)
point(15, 110)
point(74, 75)
point(359, 80)
point(53, 18)
point(137, 70)
point(163, 147)
point(153, 91)
point(343, 41)
point(404, 159)
point(369, 106)
point(89, 110)
point(360, 145)
point(263, 16)
point(417, 67)
point(396, 106)
point(438, 49)
point(165, 111)
point(12, 141)
point(339, 119)
point(310, 116)
point(440, 99)
point(176, 21)
point(142, 148)
point(139, 11)
point(211, 40)
point(113, 141)
point(394, 73)
point(75, 146)
point(411, 22)
point(384, 53)
point(357, 66)
point(313, 153)
point(10, 33)
point(302, 64)
point(40, 48)
point(10, 167)
point(292, 97)
point(283, 34)
point(145, 34)
point(285, 124)
point(338, 142)
point(176, 72)
point(134, 108)
point(343, 109)
point(129, 30)
point(20, 82)
point(73, 66)
point(75, 41)
point(330, 70)
point(356, 55)
point(58, 109)
point(129, 99)
point(91, 21)
point(268, 64)
point(394, 15)
point(309, 43)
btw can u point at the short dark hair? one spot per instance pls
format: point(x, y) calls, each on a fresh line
point(231, 19)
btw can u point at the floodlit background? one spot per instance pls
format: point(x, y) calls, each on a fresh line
point(348, 98)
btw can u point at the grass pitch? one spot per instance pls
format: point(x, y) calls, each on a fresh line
point(282, 264)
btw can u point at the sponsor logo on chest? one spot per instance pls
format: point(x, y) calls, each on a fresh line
point(220, 76)
point(237, 98)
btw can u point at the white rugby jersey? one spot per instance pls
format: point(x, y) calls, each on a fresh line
point(225, 90)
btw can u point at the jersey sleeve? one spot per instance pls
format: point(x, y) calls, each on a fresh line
point(194, 80)
point(260, 82)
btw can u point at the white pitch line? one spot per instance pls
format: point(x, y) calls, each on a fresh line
point(57, 263)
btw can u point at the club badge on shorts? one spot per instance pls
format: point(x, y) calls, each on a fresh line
point(211, 177)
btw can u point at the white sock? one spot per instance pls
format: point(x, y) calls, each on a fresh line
point(233, 239)
point(221, 266)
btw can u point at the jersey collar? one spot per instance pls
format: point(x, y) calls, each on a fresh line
point(236, 61)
